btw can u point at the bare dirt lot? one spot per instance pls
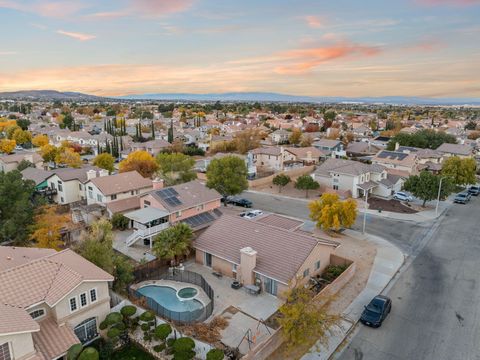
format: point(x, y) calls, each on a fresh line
point(390, 205)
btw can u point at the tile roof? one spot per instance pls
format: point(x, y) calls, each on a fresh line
point(67, 174)
point(279, 221)
point(348, 167)
point(272, 150)
point(302, 152)
point(17, 158)
point(456, 149)
point(15, 320)
point(36, 175)
point(48, 278)
point(12, 256)
point(54, 340)
point(280, 252)
point(190, 194)
point(120, 183)
point(128, 204)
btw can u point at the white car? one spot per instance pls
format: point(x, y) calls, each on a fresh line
point(401, 196)
point(18, 147)
point(251, 214)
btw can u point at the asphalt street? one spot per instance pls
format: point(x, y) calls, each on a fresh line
point(436, 299)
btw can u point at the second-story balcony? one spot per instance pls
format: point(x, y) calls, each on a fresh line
point(146, 223)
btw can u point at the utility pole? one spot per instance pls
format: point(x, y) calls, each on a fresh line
point(438, 197)
point(365, 212)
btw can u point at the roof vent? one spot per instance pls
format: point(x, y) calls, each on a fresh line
point(9, 258)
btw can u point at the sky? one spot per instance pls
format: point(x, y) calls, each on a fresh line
point(352, 48)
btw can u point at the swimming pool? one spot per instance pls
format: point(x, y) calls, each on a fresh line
point(167, 297)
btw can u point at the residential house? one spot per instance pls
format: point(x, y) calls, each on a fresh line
point(269, 158)
point(104, 189)
point(460, 150)
point(257, 253)
point(11, 162)
point(279, 136)
point(305, 155)
point(69, 183)
point(38, 176)
point(153, 147)
point(192, 203)
point(361, 149)
point(49, 301)
point(397, 163)
point(357, 178)
point(333, 148)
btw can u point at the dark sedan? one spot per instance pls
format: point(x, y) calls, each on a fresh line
point(376, 311)
point(240, 202)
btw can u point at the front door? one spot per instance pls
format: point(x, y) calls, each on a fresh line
point(208, 259)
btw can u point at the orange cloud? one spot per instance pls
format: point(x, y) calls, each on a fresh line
point(147, 8)
point(303, 60)
point(314, 21)
point(76, 36)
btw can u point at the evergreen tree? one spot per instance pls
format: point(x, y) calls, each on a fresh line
point(153, 131)
point(170, 132)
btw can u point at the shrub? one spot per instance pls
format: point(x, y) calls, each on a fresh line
point(120, 326)
point(147, 337)
point(331, 272)
point(145, 327)
point(170, 342)
point(119, 221)
point(113, 318)
point(183, 349)
point(147, 316)
point(159, 348)
point(89, 353)
point(74, 351)
point(215, 354)
point(184, 355)
point(103, 325)
point(113, 333)
point(128, 310)
point(162, 331)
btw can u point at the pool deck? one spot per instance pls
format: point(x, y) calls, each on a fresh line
point(201, 296)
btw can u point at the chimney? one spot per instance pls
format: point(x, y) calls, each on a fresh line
point(103, 172)
point(157, 184)
point(248, 262)
point(91, 174)
point(397, 146)
point(309, 155)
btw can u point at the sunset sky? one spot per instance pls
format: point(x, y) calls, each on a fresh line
point(303, 47)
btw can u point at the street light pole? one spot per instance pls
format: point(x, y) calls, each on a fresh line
point(438, 197)
point(365, 212)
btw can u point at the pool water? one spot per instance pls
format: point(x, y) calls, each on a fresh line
point(187, 293)
point(167, 297)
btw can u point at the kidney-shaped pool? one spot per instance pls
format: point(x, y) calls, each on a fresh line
point(167, 297)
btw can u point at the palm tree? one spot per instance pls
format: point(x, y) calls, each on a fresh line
point(173, 242)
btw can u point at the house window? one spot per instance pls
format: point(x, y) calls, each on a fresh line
point(200, 207)
point(73, 304)
point(60, 187)
point(90, 194)
point(80, 186)
point(178, 214)
point(93, 295)
point(317, 265)
point(36, 314)
point(234, 268)
point(83, 300)
point(86, 330)
point(5, 352)
point(146, 203)
point(114, 197)
point(99, 197)
point(335, 180)
point(335, 187)
point(306, 272)
point(62, 200)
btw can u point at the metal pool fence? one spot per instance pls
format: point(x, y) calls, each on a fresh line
point(180, 276)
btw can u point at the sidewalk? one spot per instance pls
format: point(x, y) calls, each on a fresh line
point(387, 262)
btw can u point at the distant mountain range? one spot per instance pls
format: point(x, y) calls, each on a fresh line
point(48, 95)
point(51, 95)
point(275, 97)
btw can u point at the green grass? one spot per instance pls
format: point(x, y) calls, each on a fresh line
point(131, 352)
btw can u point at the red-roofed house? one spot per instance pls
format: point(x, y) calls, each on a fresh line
point(48, 301)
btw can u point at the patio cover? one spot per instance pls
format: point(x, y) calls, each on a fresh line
point(146, 215)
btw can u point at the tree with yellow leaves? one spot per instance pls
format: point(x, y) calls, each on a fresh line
point(40, 140)
point(69, 157)
point(7, 146)
point(48, 152)
point(48, 224)
point(22, 136)
point(4, 123)
point(295, 137)
point(140, 161)
point(331, 213)
point(10, 130)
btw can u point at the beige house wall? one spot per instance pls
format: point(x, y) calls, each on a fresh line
point(98, 309)
point(106, 199)
point(220, 265)
point(21, 345)
point(70, 190)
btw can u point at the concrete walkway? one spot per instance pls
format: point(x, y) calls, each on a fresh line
point(387, 262)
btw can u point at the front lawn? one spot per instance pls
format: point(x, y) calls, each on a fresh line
point(131, 352)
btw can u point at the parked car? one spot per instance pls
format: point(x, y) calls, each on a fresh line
point(462, 198)
point(251, 214)
point(402, 196)
point(238, 201)
point(474, 190)
point(376, 311)
point(18, 147)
